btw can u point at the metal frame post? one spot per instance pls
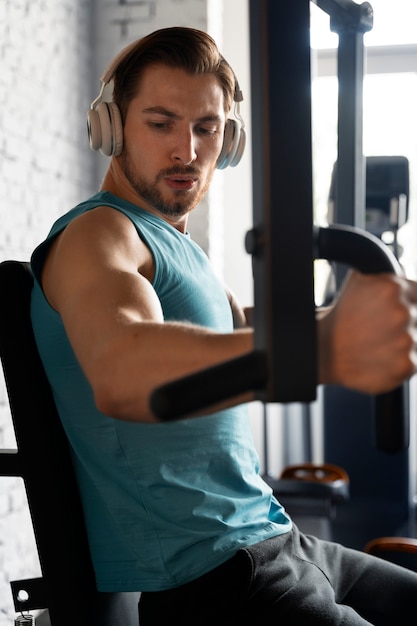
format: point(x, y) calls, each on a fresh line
point(283, 200)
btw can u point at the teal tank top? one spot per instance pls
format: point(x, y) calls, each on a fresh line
point(164, 503)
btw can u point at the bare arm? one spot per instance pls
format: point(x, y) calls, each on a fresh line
point(367, 339)
point(114, 320)
point(97, 276)
point(242, 317)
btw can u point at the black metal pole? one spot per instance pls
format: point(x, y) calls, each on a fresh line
point(281, 239)
point(350, 23)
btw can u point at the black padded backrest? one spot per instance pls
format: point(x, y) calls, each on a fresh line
point(67, 587)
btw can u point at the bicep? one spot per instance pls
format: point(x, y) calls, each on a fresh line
point(92, 278)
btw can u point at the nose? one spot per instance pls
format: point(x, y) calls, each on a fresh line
point(184, 150)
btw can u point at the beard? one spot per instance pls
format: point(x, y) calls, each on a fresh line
point(182, 204)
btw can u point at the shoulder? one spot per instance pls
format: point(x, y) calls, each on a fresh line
point(98, 241)
point(106, 233)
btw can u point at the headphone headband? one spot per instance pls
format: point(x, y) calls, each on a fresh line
point(108, 73)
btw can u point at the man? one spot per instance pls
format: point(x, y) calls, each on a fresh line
point(125, 301)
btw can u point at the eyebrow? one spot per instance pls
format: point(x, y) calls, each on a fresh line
point(160, 110)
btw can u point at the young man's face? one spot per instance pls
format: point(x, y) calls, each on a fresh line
point(173, 134)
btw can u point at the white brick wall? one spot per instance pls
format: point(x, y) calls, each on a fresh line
point(45, 59)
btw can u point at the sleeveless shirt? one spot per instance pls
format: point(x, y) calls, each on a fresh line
point(164, 503)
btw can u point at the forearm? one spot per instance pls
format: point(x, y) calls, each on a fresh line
point(130, 367)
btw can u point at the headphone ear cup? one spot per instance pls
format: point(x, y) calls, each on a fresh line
point(105, 129)
point(240, 148)
point(94, 130)
point(231, 151)
point(116, 127)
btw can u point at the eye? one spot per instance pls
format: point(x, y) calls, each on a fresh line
point(207, 130)
point(159, 125)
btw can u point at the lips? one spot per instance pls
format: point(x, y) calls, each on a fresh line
point(182, 183)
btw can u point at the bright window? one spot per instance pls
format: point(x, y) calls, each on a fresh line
point(390, 102)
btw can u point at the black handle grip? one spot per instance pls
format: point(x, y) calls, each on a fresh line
point(216, 384)
point(392, 420)
point(369, 255)
point(356, 248)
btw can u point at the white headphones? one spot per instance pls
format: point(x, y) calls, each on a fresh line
point(105, 127)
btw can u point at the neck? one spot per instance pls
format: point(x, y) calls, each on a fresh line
point(116, 183)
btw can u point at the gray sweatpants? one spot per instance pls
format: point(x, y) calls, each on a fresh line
point(291, 580)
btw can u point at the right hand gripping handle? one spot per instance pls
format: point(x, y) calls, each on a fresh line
point(369, 255)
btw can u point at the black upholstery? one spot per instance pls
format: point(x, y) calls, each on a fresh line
point(67, 587)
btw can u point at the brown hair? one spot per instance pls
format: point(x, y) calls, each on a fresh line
point(186, 48)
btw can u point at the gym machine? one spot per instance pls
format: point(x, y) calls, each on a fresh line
point(376, 429)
